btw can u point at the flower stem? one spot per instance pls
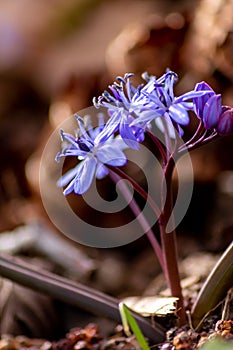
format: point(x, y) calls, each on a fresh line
point(158, 145)
point(169, 243)
point(197, 133)
point(168, 240)
point(137, 188)
point(140, 217)
point(202, 141)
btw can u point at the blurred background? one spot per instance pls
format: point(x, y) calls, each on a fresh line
point(56, 55)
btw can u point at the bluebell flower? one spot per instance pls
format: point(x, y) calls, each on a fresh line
point(93, 153)
point(158, 97)
point(131, 109)
point(122, 108)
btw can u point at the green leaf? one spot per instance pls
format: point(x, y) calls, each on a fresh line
point(215, 287)
point(128, 321)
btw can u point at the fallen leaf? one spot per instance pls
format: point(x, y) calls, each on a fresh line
point(151, 305)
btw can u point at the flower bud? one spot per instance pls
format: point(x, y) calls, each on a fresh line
point(199, 102)
point(225, 123)
point(212, 111)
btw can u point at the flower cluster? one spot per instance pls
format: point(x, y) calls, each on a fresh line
point(131, 111)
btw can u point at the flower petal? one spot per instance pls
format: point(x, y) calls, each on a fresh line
point(200, 101)
point(150, 86)
point(171, 129)
point(128, 136)
point(65, 179)
point(118, 143)
point(212, 111)
point(69, 138)
point(85, 175)
point(179, 114)
point(101, 171)
point(191, 95)
point(73, 152)
point(203, 86)
point(145, 116)
point(110, 128)
point(111, 155)
point(82, 180)
point(225, 123)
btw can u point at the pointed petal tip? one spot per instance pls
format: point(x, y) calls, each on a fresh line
point(203, 86)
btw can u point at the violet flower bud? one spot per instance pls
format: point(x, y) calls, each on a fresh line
point(212, 111)
point(225, 123)
point(199, 102)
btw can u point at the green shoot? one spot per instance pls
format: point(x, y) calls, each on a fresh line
point(129, 322)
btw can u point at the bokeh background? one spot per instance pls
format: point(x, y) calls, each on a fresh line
point(56, 55)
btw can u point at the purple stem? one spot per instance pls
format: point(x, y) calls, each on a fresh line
point(140, 217)
point(158, 145)
point(169, 243)
point(202, 141)
point(168, 239)
point(137, 188)
point(198, 132)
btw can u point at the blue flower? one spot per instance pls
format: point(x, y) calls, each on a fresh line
point(93, 152)
point(123, 109)
point(158, 97)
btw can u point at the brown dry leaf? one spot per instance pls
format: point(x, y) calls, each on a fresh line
point(23, 311)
